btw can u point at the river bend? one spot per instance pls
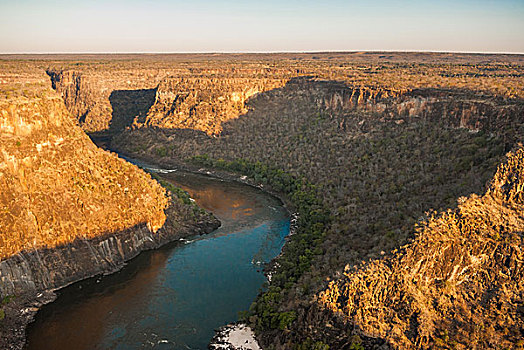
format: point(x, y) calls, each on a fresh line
point(173, 297)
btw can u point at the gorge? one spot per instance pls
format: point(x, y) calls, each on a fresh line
point(405, 171)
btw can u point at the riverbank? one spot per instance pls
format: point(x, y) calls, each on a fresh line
point(270, 268)
point(236, 336)
point(160, 163)
point(266, 315)
point(229, 336)
point(178, 295)
point(34, 277)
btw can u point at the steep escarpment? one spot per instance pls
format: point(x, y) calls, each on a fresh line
point(454, 107)
point(458, 284)
point(69, 210)
point(198, 98)
point(203, 103)
point(106, 100)
point(58, 186)
point(29, 278)
point(92, 89)
point(83, 98)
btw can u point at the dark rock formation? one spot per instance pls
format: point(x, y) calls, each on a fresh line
point(34, 271)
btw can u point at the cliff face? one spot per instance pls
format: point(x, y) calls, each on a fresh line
point(202, 94)
point(187, 102)
point(452, 108)
point(459, 283)
point(67, 208)
point(100, 100)
point(38, 270)
point(83, 98)
point(203, 103)
point(57, 186)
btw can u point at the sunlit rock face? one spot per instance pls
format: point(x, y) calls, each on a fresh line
point(460, 279)
point(58, 187)
point(91, 97)
point(203, 103)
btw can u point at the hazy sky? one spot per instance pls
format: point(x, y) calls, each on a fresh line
point(264, 25)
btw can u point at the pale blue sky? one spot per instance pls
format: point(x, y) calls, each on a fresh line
point(266, 25)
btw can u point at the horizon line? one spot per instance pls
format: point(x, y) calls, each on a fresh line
point(257, 52)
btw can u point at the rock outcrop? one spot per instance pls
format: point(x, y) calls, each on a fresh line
point(203, 103)
point(83, 98)
point(57, 186)
point(69, 210)
point(459, 284)
point(456, 109)
point(98, 100)
point(34, 271)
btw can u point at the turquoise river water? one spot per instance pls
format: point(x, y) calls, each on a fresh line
point(173, 297)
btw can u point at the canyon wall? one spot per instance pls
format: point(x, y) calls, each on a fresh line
point(89, 96)
point(452, 108)
point(455, 108)
point(58, 186)
point(69, 210)
point(459, 283)
point(195, 98)
point(203, 103)
point(201, 94)
point(33, 271)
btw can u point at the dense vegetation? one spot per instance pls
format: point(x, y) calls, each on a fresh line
point(313, 220)
point(183, 198)
point(376, 175)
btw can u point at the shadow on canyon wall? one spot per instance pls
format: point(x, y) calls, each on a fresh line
point(342, 104)
point(128, 105)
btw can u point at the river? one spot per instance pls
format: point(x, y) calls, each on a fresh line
point(176, 296)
